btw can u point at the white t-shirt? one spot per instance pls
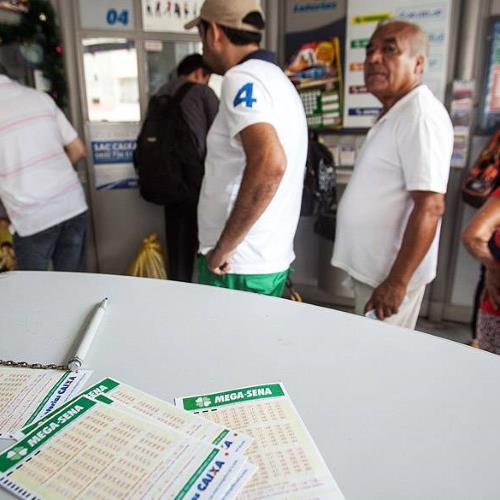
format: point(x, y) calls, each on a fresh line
point(408, 149)
point(38, 184)
point(255, 91)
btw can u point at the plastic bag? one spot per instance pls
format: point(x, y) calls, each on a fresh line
point(149, 262)
point(7, 255)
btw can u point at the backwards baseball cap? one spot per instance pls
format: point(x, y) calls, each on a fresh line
point(229, 13)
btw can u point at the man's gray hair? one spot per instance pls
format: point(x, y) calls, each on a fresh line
point(419, 41)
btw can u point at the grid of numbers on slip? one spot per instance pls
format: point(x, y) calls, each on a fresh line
point(310, 100)
point(11, 382)
point(242, 417)
point(156, 409)
point(111, 462)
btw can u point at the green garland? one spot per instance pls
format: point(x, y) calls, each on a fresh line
point(39, 25)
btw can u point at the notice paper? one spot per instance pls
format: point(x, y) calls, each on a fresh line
point(288, 462)
point(26, 394)
point(97, 449)
point(162, 412)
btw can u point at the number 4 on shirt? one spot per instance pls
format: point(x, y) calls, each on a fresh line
point(245, 95)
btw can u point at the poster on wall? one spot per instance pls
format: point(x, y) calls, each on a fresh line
point(309, 20)
point(112, 146)
point(360, 107)
point(461, 112)
point(316, 73)
point(490, 106)
point(169, 15)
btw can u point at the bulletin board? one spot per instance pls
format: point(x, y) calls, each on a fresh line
point(434, 17)
point(316, 72)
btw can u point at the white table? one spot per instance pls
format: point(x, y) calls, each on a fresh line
point(397, 414)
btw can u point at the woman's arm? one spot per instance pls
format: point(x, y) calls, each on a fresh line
point(479, 231)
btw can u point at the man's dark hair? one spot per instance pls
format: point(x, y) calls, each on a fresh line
point(3, 70)
point(242, 37)
point(192, 63)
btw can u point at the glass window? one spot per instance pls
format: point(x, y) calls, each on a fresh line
point(162, 59)
point(111, 80)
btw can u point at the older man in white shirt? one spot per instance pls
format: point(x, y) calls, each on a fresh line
point(389, 216)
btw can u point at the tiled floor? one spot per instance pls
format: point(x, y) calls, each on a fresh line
point(459, 332)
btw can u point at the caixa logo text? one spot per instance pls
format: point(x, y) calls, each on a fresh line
point(208, 478)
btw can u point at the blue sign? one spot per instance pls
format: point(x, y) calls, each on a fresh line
point(105, 152)
point(116, 15)
point(306, 7)
point(128, 183)
point(364, 111)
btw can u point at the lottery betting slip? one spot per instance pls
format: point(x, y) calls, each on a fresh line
point(289, 465)
point(26, 394)
point(114, 441)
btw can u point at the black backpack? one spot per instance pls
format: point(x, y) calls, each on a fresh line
point(166, 158)
point(319, 197)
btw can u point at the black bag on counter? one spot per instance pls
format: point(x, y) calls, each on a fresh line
point(319, 197)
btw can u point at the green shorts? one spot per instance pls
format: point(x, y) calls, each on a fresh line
point(266, 284)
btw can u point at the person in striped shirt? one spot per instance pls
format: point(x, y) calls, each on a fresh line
point(39, 187)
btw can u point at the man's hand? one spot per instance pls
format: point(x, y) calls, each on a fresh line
point(417, 239)
point(492, 285)
point(386, 299)
point(218, 262)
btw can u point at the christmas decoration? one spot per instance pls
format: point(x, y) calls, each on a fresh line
point(38, 28)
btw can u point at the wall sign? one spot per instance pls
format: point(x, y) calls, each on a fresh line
point(306, 15)
point(461, 109)
point(361, 108)
point(490, 105)
point(113, 146)
point(316, 73)
point(116, 15)
point(169, 15)
point(310, 20)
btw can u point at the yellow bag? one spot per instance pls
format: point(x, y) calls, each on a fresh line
point(149, 262)
point(7, 255)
